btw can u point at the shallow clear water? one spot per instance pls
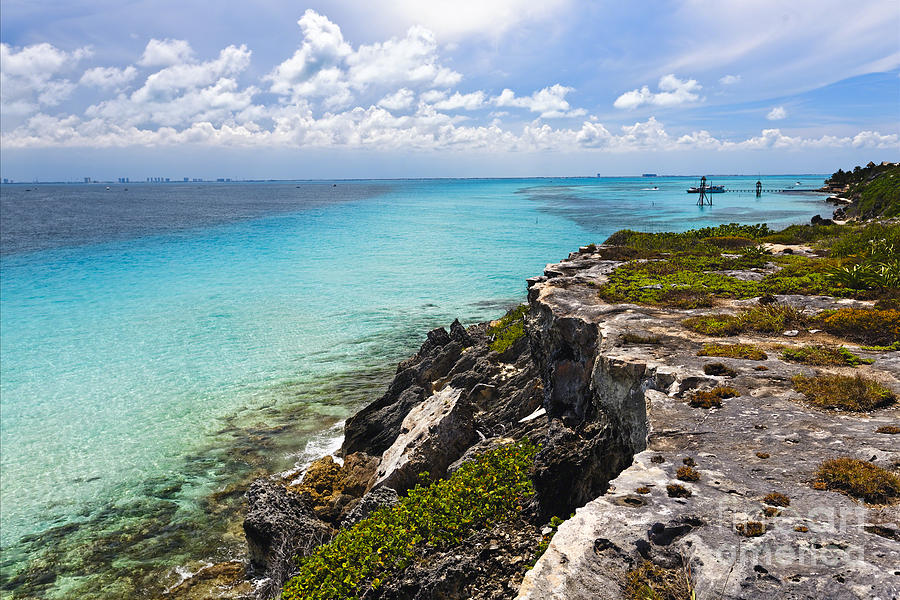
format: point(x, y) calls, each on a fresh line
point(161, 343)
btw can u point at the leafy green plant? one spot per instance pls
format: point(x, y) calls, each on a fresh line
point(508, 329)
point(489, 489)
point(823, 356)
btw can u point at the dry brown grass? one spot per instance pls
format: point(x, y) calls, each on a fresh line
point(648, 581)
point(711, 398)
point(751, 528)
point(687, 473)
point(676, 490)
point(745, 351)
point(777, 499)
point(855, 394)
point(859, 479)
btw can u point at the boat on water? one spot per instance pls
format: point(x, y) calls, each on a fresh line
point(710, 189)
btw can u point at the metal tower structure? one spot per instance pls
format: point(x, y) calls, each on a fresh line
point(758, 188)
point(704, 198)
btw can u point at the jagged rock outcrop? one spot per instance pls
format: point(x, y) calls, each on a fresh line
point(822, 545)
point(279, 525)
point(614, 425)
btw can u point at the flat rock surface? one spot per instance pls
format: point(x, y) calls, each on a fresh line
point(823, 545)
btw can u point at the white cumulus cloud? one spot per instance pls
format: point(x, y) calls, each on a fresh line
point(29, 76)
point(672, 92)
point(327, 67)
point(777, 113)
point(108, 77)
point(730, 79)
point(164, 53)
point(550, 102)
point(399, 100)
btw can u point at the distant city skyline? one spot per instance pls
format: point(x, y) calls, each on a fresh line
point(402, 89)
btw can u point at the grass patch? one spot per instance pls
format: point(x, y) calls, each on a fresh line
point(823, 356)
point(490, 489)
point(762, 455)
point(635, 339)
point(863, 325)
point(751, 528)
point(854, 394)
point(643, 490)
point(773, 318)
point(745, 351)
point(648, 581)
point(770, 511)
point(687, 473)
point(508, 329)
point(889, 429)
point(777, 499)
point(859, 479)
point(892, 348)
point(712, 398)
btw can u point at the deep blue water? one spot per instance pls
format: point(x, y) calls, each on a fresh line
point(158, 343)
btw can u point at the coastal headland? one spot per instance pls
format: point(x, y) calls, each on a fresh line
point(705, 414)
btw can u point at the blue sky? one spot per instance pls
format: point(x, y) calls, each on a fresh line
point(405, 88)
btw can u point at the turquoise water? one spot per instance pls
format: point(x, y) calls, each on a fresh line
point(148, 364)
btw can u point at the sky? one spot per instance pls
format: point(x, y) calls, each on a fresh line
point(462, 88)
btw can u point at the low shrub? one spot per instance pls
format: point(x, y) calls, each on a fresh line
point(489, 489)
point(841, 392)
point(676, 490)
point(711, 398)
point(508, 329)
point(762, 455)
point(751, 528)
point(823, 356)
point(773, 318)
point(863, 325)
point(649, 581)
point(687, 473)
point(859, 479)
point(746, 351)
point(777, 499)
point(889, 429)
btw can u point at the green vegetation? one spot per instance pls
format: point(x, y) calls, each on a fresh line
point(773, 318)
point(648, 581)
point(840, 392)
point(777, 499)
point(893, 347)
point(686, 270)
point(823, 356)
point(875, 190)
point(490, 489)
point(555, 522)
point(746, 351)
point(508, 329)
point(859, 479)
point(863, 325)
point(712, 398)
point(751, 528)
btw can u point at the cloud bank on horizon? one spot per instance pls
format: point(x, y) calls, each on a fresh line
point(471, 76)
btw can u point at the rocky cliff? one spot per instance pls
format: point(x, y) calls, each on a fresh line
point(723, 492)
